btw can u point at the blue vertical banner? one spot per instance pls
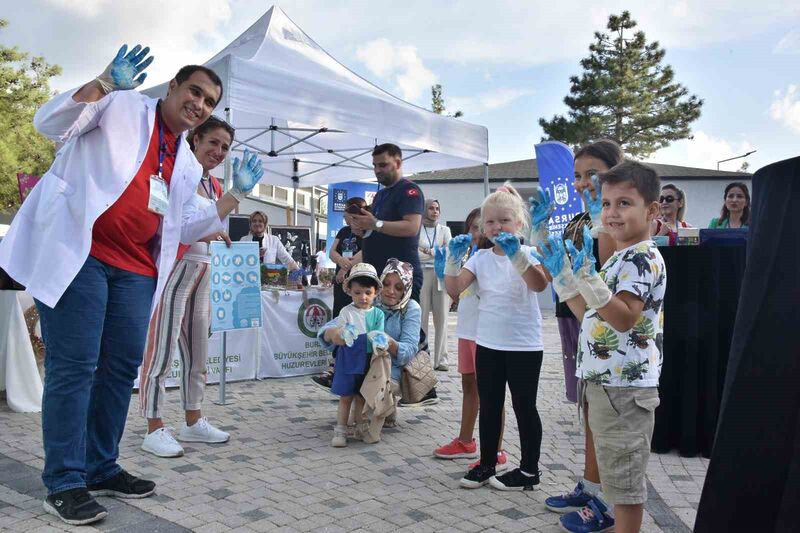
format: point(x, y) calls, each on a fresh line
point(557, 174)
point(338, 194)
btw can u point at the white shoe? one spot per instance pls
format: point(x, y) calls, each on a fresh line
point(339, 439)
point(202, 431)
point(161, 443)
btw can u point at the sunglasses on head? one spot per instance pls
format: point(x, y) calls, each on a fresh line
point(667, 199)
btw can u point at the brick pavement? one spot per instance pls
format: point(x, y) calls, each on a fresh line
point(279, 473)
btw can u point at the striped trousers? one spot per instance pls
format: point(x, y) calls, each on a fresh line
point(179, 326)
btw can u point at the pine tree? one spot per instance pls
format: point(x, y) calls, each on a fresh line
point(625, 94)
point(24, 87)
point(437, 102)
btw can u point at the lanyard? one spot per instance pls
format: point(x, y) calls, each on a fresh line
point(162, 144)
point(210, 189)
point(431, 242)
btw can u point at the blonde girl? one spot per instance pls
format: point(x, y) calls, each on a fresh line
point(508, 335)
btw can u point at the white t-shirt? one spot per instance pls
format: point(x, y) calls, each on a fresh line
point(322, 260)
point(627, 358)
point(508, 311)
point(467, 322)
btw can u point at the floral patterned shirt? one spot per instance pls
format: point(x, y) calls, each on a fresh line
point(630, 358)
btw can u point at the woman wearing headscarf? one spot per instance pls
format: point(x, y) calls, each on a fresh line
point(401, 324)
point(433, 296)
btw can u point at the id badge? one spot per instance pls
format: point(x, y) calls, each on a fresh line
point(347, 253)
point(159, 196)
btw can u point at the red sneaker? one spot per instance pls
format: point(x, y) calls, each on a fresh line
point(502, 462)
point(457, 450)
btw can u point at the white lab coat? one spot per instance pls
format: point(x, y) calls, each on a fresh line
point(105, 143)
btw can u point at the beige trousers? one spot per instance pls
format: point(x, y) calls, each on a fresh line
point(431, 299)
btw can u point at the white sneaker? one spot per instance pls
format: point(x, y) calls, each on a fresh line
point(202, 431)
point(339, 439)
point(162, 443)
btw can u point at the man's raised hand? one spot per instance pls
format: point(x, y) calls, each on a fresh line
point(126, 69)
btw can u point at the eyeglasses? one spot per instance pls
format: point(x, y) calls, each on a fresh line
point(667, 199)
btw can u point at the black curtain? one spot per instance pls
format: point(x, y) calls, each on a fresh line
point(753, 480)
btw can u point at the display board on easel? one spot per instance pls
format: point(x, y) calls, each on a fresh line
point(296, 240)
point(238, 226)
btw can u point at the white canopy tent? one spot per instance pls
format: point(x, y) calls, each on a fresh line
point(316, 122)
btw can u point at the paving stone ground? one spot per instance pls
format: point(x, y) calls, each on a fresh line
point(279, 472)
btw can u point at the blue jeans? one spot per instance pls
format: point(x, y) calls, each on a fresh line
point(94, 340)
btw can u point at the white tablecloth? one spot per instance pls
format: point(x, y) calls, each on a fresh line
point(19, 376)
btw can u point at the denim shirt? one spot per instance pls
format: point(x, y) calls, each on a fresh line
point(402, 327)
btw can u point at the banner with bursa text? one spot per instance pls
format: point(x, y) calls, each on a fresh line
point(557, 174)
point(338, 194)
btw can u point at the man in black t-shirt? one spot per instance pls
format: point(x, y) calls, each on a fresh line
point(392, 227)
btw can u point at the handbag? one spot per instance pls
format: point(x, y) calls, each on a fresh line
point(418, 378)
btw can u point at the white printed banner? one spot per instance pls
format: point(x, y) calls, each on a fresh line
point(289, 345)
point(242, 348)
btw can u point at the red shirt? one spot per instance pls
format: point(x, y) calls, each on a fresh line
point(123, 235)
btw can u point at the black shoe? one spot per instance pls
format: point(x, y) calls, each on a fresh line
point(477, 477)
point(123, 485)
point(323, 381)
point(429, 399)
point(75, 507)
point(515, 480)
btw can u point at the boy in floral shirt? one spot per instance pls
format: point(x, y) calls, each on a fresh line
point(619, 354)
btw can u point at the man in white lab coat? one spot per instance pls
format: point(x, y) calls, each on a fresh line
point(94, 243)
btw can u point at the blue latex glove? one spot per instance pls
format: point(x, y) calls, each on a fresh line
point(591, 286)
point(542, 207)
point(296, 275)
point(594, 206)
point(439, 260)
point(508, 242)
point(583, 260)
point(457, 248)
point(246, 174)
point(554, 258)
point(121, 74)
point(553, 255)
point(511, 246)
point(379, 340)
point(349, 334)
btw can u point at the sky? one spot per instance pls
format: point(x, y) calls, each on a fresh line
point(504, 64)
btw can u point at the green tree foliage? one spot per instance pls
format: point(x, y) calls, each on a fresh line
point(24, 88)
point(625, 94)
point(437, 102)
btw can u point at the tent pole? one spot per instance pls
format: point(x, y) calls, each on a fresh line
point(485, 179)
point(227, 180)
point(295, 185)
point(313, 223)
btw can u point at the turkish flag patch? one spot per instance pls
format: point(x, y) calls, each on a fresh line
point(412, 192)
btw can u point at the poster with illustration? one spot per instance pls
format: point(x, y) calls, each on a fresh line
point(296, 240)
point(235, 286)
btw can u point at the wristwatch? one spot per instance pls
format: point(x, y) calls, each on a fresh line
point(379, 225)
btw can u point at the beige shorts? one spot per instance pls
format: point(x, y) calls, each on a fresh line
point(622, 420)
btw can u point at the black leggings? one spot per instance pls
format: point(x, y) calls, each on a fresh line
point(495, 368)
